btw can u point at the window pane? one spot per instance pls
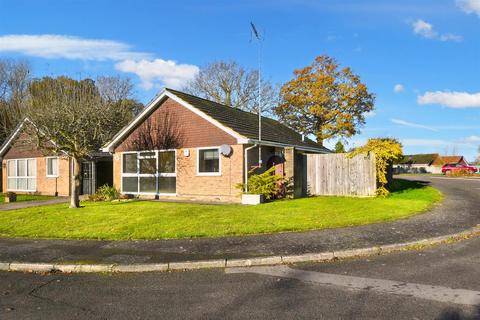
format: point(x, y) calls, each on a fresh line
point(22, 183)
point(32, 168)
point(12, 184)
point(52, 166)
point(208, 161)
point(31, 184)
point(12, 168)
point(130, 163)
point(148, 165)
point(167, 184)
point(22, 168)
point(148, 184)
point(130, 184)
point(167, 162)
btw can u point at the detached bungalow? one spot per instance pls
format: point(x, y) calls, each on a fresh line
point(30, 168)
point(188, 148)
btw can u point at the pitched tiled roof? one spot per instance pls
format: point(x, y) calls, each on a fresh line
point(452, 159)
point(246, 123)
point(427, 159)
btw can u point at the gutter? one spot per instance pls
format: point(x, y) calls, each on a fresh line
point(278, 144)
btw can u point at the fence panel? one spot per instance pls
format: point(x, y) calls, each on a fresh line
point(338, 175)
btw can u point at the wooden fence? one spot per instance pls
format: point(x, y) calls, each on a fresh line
point(338, 175)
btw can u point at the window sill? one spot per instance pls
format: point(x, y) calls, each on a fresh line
point(213, 174)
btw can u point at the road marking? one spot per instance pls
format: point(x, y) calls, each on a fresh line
point(435, 293)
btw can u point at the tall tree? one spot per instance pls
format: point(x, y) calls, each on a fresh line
point(339, 147)
point(14, 80)
point(325, 100)
point(230, 84)
point(76, 117)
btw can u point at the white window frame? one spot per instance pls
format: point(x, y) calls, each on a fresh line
point(209, 174)
point(157, 174)
point(58, 167)
point(22, 177)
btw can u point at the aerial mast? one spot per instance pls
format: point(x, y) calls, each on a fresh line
point(259, 97)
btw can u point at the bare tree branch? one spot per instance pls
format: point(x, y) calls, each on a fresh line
point(230, 84)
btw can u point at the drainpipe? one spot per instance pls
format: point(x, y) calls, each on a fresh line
point(246, 165)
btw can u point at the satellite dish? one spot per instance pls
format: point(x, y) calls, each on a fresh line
point(226, 150)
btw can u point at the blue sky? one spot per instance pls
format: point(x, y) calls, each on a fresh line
point(420, 57)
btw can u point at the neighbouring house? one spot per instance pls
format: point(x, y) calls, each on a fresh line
point(419, 163)
point(185, 147)
point(28, 167)
point(454, 160)
point(425, 163)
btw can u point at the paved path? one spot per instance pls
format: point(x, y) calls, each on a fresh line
point(458, 212)
point(34, 203)
point(438, 283)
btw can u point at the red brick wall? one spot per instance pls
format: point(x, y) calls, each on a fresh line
point(45, 185)
point(195, 131)
point(25, 146)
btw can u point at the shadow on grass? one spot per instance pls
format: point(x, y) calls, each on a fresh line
point(401, 185)
point(457, 314)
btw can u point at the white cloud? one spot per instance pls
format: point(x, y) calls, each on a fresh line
point(412, 124)
point(469, 6)
point(144, 65)
point(451, 99)
point(472, 139)
point(167, 71)
point(426, 30)
point(398, 88)
point(68, 47)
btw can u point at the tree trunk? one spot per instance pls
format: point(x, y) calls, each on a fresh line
point(75, 184)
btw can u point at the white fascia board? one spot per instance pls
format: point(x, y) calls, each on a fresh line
point(283, 145)
point(140, 117)
point(206, 117)
point(109, 147)
point(7, 144)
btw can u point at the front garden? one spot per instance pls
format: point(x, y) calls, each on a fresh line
point(122, 220)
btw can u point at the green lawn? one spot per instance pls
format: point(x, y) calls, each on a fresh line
point(25, 197)
point(160, 220)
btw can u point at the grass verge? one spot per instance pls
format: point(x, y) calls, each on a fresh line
point(161, 220)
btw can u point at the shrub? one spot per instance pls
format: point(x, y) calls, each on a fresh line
point(460, 173)
point(105, 193)
point(267, 183)
point(386, 151)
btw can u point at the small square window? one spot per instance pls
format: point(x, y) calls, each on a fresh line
point(52, 167)
point(208, 161)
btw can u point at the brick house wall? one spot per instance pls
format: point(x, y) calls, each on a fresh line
point(196, 132)
point(25, 148)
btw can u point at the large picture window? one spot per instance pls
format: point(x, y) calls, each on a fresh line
point(152, 172)
point(208, 161)
point(21, 175)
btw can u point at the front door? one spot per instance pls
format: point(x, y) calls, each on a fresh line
point(87, 178)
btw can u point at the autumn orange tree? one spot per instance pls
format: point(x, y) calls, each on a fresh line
point(325, 100)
